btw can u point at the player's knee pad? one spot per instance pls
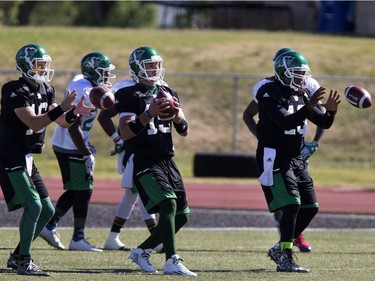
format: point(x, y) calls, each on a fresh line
point(83, 195)
point(32, 209)
point(168, 205)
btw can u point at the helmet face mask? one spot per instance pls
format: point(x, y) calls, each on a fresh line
point(145, 63)
point(34, 63)
point(292, 69)
point(97, 68)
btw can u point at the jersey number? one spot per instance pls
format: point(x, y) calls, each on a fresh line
point(299, 129)
point(42, 108)
point(161, 127)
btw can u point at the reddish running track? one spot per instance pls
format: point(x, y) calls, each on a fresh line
point(236, 196)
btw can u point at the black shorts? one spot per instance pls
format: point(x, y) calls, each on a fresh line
point(292, 184)
point(18, 186)
point(159, 181)
point(73, 171)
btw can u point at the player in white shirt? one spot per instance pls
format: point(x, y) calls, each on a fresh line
point(76, 156)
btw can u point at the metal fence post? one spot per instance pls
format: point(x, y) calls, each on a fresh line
point(235, 112)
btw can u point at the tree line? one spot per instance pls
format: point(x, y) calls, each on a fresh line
point(133, 14)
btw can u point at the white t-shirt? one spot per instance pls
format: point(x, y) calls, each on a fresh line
point(122, 84)
point(61, 136)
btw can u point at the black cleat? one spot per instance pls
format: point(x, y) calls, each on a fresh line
point(275, 252)
point(287, 264)
point(13, 261)
point(27, 267)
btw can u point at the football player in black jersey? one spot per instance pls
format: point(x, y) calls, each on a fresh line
point(155, 175)
point(308, 149)
point(27, 107)
point(284, 105)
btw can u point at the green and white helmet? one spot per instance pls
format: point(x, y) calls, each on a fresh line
point(292, 69)
point(279, 52)
point(33, 62)
point(97, 68)
point(139, 60)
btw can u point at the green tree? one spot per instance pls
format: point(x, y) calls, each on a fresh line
point(53, 13)
point(10, 12)
point(78, 13)
point(132, 14)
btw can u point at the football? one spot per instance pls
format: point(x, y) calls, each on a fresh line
point(102, 97)
point(358, 96)
point(162, 93)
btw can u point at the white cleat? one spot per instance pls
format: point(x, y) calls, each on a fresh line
point(142, 258)
point(83, 245)
point(174, 266)
point(113, 242)
point(52, 238)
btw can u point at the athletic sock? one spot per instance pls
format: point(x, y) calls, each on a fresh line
point(79, 233)
point(118, 223)
point(286, 245)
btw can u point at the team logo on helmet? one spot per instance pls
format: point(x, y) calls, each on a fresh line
point(28, 53)
point(92, 62)
point(284, 61)
point(137, 55)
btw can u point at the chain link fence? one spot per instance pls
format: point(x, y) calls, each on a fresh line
point(214, 103)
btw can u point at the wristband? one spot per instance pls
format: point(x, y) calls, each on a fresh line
point(181, 127)
point(115, 137)
point(136, 126)
point(70, 117)
point(147, 113)
point(55, 113)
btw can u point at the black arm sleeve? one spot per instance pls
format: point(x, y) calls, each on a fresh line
point(286, 120)
point(322, 120)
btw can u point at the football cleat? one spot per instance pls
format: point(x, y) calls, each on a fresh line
point(302, 244)
point(13, 261)
point(287, 264)
point(113, 242)
point(52, 238)
point(275, 252)
point(83, 245)
point(27, 267)
point(174, 266)
point(142, 258)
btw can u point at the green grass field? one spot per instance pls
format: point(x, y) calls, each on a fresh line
point(226, 255)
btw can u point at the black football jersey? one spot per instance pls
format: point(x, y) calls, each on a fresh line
point(155, 141)
point(16, 139)
point(282, 117)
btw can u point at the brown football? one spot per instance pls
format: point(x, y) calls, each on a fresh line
point(102, 97)
point(358, 96)
point(171, 111)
